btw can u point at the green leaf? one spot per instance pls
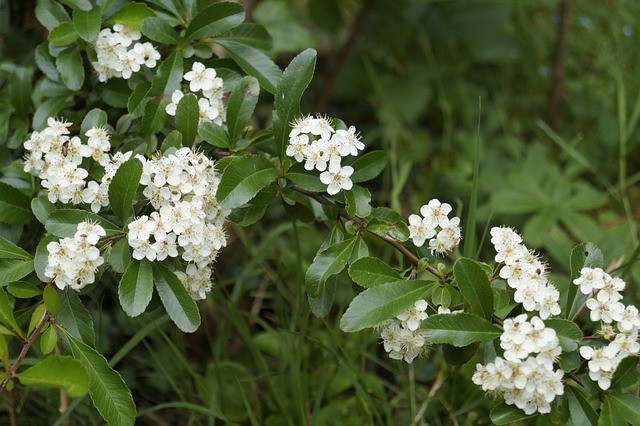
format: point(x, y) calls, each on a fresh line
point(242, 102)
point(327, 263)
point(321, 305)
point(187, 118)
point(626, 373)
point(123, 187)
point(42, 208)
point(120, 256)
point(49, 340)
point(626, 406)
point(370, 272)
point(15, 207)
point(503, 414)
point(49, 108)
point(358, 199)
point(23, 289)
point(568, 333)
point(610, 415)
point(243, 178)
point(460, 329)
point(75, 318)
point(255, 63)
point(136, 287)
point(114, 92)
point(294, 81)
point(305, 179)
point(108, 391)
point(382, 302)
point(46, 62)
point(214, 20)
point(51, 300)
point(251, 34)
point(69, 65)
point(173, 140)
point(6, 313)
point(585, 255)
point(42, 257)
point(154, 116)
point(20, 88)
point(137, 96)
point(51, 13)
point(368, 166)
point(64, 222)
point(94, 118)
point(78, 4)
point(14, 269)
point(58, 372)
point(63, 35)
point(132, 14)
point(385, 221)
point(214, 134)
point(474, 286)
point(176, 300)
point(87, 23)
point(9, 250)
point(582, 413)
point(167, 77)
point(159, 30)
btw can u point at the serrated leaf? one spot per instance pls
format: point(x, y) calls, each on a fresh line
point(137, 96)
point(14, 206)
point(6, 313)
point(214, 20)
point(87, 23)
point(582, 413)
point(327, 263)
point(168, 76)
point(370, 272)
point(157, 29)
point(504, 414)
point(255, 63)
point(382, 302)
point(63, 35)
point(69, 65)
point(474, 286)
point(181, 308)
point(243, 178)
point(123, 187)
point(136, 287)
point(626, 406)
point(358, 199)
point(75, 318)
point(610, 416)
point(368, 166)
point(14, 269)
point(568, 333)
point(9, 250)
point(460, 329)
point(109, 393)
point(305, 179)
point(254, 35)
point(64, 222)
point(51, 13)
point(187, 118)
point(626, 373)
point(242, 102)
point(214, 134)
point(295, 79)
point(59, 372)
point(321, 305)
point(132, 15)
point(154, 116)
point(46, 62)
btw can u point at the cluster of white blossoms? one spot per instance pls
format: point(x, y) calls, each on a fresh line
point(72, 262)
point(404, 340)
point(211, 104)
point(187, 220)
point(314, 141)
point(525, 272)
point(56, 157)
point(444, 234)
point(605, 306)
point(525, 376)
point(118, 55)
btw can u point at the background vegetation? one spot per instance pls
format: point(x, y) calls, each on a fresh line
point(550, 88)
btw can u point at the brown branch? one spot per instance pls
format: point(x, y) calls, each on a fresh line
point(557, 73)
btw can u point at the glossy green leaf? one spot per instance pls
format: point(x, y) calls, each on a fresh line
point(214, 134)
point(624, 406)
point(132, 14)
point(474, 286)
point(123, 187)
point(120, 256)
point(6, 313)
point(52, 300)
point(46, 62)
point(370, 272)
point(59, 372)
point(243, 178)
point(42, 208)
point(368, 166)
point(14, 269)
point(187, 118)
point(568, 333)
point(154, 116)
point(50, 13)
point(37, 317)
point(78, 4)
point(48, 340)
point(136, 287)
point(14, 206)
point(251, 34)
point(167, 77)
point(459, 329)
point(255, 63)
point(159, 30)
point(109, 393)
point(327, 263)
point(582, 413)
point(49, 108)
point(240, 106)
point(305, 179)
point(9, 250)
point(87, 23)
point(503, 414)
point(321, 305)
point(382, 302)
point(358, 199)
point(626, 373)
point(114, 92)
point(64, 34)
point(69, 65)
point(295, 79)
point(41, 258)
point(75, 318)
point(94, 118)
point(176, 300)
point(64, 222)
point(23, 289)
point(137, 97)
point(214, 20)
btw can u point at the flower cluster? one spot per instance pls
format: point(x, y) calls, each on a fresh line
point(72, 262)
point(314, 141)
point(404, 339)
point(525, 376)
point(605, 306)
point(525, 272)
point(211, 105)
point(444, 234)
point(118, 56)
point(187, 220)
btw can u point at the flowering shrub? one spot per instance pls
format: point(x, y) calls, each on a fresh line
point(158, 175)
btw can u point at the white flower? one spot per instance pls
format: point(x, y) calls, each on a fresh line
point(175, 99)
point(419, 230)
point(590, 279)
point(337, 178)
point(436, 213)
point(412, 317)
point(200, 77)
